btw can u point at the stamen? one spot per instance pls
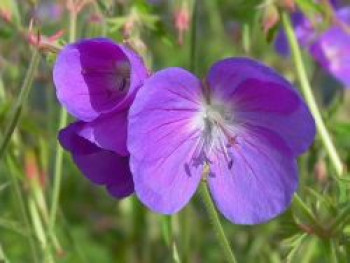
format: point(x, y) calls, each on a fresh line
point(219, 133)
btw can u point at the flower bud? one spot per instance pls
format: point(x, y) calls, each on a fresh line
point(270, 18)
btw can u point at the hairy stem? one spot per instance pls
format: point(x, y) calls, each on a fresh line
point(214, 218)
point(309, 97)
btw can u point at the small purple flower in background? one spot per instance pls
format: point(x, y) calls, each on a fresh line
point(96, 81)
point(304, 31)
point(48, 13)
point(332, 48)
point(245, 122)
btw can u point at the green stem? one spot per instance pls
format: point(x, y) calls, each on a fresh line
point(72, 26)
point(187, 231)
point(246, 37)
point(59, 152)
point(214, 217)
point(21, 204)
point(23, 95)
point(169, 238)
point(39, 230)
point(309, 97)
point(192, 64)
point(57, 175)
point(14, 119)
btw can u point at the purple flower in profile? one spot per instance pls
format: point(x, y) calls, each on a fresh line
point(48, 13)
point(245, 122)
point(332, 48)
point(101, 166)
point(96, 81)
point(304, 31)
point(97, 76)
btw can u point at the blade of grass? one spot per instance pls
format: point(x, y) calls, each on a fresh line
point(22, 98)
point(59, 152)
point(310, 100)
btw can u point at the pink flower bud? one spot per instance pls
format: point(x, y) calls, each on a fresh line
point(182, 22)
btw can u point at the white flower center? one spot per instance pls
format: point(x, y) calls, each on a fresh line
point(219, 131)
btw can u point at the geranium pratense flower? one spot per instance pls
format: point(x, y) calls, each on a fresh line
point(101, 166)
point(245, 122)
point(304, 31)
point(332, 49)
point(97, 76)
point(96, 81)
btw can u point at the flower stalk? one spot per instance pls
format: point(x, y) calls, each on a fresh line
point(214, 218)
point(22, 97)
point(59, 152)
point(309, 97)
point(19, 198)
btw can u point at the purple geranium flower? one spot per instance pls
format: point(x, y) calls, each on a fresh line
point(96, 80)
point(101, 166)
point(304, 31)
point(245, 121)
point(97, 76)
point(332, 49)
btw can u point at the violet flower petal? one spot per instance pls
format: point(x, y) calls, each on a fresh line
point(162, 138)
point(177, 125)
point(109, 132)
point(261, 97)
point(261, 182)
point(97, 76)
point(101, 166)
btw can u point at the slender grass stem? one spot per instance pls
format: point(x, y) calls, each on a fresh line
point(21, 204)
point(57, 175)
point(246, 43)
point(309, 97)
point(59, 151)
point(39, 230)
point(14, 119)
point(193, 40)
point(168, 236)
point(22, 97)
point(214, 217)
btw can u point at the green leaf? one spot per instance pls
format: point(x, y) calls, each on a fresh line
point(6, 32)
point(3, 257)
point(324, 200)
point(116, 23)
point(104, 6)
point(342, 132)
point(295, 247)
point(309, 7)
point(13, 226)
point(341, 220)
point(3, 186)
